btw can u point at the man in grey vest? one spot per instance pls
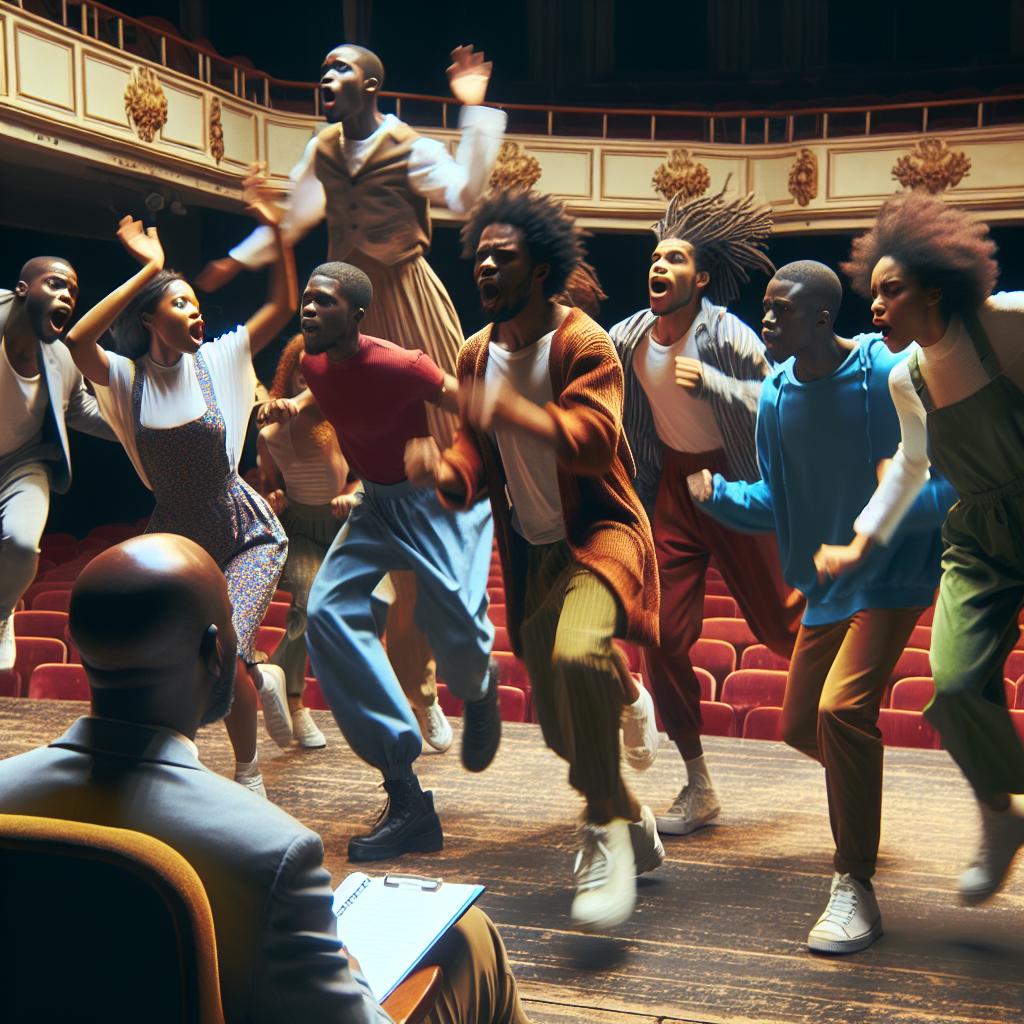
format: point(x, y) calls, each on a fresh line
point(41, 392)
point(693, 375)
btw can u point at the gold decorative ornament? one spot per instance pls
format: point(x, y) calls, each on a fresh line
point(803, 177)
point(216, 131)
point(145, 103)
point(514, 169)
point(681, 174)
point(931, 165)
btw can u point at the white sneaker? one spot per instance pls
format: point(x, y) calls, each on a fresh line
point(252, 782)
point(274, 701)
point(7, 647)
point(851, 920)
point(1002, 835)
point(640, 732)
point(605, 875)
point(306, 731)
point(695, 806)
point(648, 850)
point(436, 729)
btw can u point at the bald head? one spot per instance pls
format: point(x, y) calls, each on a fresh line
point(372, 66)
point(39, 265)
point(152, 620)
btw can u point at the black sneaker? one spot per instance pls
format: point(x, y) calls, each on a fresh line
point(407, 824)
point(481, 726)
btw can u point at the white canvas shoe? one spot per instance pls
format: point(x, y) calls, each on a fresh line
point(306, 731)
point(640, 732)
point(1002, 835)
point(605, 874)
point(851, 920)
point(648, 849)
point(436, 729)
point(7, 645)
point(252, 781)
point(274, 701)
point(695, 806)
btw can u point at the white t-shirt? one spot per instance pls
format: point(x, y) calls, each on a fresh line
point(23, 401)
point(171, 395)
point(531, 469)
point(952, 372)
point(684, 421)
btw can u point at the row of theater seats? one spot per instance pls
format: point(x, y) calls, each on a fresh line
point(742, 682)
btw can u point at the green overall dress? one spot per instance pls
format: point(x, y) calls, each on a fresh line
point(978, 445)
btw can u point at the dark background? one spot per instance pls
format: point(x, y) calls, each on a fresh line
point(702, 53)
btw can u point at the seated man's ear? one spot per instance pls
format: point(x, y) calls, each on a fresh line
point(359, 314)
point(211, 651)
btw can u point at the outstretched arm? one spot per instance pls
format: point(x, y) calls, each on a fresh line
point(283, 295)
point(83, 338)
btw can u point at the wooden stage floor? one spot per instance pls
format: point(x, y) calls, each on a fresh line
point(718, 932)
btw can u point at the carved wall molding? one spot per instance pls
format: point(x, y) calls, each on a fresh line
point(216, 131)
point(681, 174)
point(514, 168)
point(145, 103)
point(803, 177)
point(931, 165)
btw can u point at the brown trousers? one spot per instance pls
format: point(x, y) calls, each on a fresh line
point(478, 985)
point(837, 677)
point(685, 539)
point(578, 676)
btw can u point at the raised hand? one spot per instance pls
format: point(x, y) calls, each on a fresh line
point(689, 373)
point(468, 76)
point(259, 197)
point(142, 243)
point(277, 411)
point(218, 273)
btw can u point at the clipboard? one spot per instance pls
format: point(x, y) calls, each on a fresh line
point(390, 924)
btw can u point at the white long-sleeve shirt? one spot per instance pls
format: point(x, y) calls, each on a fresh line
point(952, 371)
point(454, 183)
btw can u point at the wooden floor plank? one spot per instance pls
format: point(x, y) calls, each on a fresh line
point(718, 933)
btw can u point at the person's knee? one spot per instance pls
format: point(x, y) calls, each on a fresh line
point(798, 732)
point(575, 654)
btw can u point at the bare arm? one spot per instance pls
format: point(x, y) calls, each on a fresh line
point(448, 397)
point(83, 338)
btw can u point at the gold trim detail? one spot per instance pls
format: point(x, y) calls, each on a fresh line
point(514, 168)
point(803, 177)
point(216, 131)
point(681, 174)
point(931, 165)
point(145, 103)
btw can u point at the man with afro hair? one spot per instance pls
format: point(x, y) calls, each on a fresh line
point(540, 391)
point(693, 375)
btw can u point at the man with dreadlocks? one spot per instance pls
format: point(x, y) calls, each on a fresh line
point(540, 391)
point(929, 271)
point(693, 374)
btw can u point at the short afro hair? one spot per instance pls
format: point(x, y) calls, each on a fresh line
point(551, 235)
point(355, 285)
point(820, 281)
point(941, 246)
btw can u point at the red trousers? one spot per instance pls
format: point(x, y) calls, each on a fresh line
point(685, 540)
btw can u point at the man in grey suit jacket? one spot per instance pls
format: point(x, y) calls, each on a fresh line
point(41, 391)
point(152, 619)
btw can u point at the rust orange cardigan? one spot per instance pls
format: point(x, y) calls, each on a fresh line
point(606, 527)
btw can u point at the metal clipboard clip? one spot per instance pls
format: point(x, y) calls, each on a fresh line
point(395, 880)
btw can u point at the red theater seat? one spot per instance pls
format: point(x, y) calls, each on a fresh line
point(32, 623)
point(497, 614)
point(114, 532)
point(277, 614)
point(716, 588)
point(912, 693)
point(760, 656)
point(58, 682)
point(10, 683)
point(708, 683)
point(1014, 667)
point(753, 688)
point(631, 653)
point(42, 587)
point(450, 704)
point(926, 616)
point(1017, 717)
point(763, 724)
point(717, 656)
point(921, 637)
point(717, 606)
point(511, 671)
point(313, 696)
point(512, 703)
point(37, 650)
point(267, 639)
point(719, 719)
point(501, 640)
point(282, 597)
point(906, 729)
point(733, 631)
point(912, 662)
point(52, 601)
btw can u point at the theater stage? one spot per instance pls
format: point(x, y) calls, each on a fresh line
point(717, 934)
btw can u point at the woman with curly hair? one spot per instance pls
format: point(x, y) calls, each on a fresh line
point(929, 271)
point(180, 405)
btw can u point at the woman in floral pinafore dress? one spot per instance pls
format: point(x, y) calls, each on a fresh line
point(180, 408)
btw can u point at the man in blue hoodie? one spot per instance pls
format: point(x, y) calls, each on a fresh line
point(824, 424)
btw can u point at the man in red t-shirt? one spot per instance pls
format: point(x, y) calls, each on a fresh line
point(373, 393)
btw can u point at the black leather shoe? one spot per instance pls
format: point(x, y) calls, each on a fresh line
point(481, 726)
point(408, 824)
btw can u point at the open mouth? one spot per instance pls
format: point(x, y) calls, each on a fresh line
point(659, 286)
point(489, 291)
point(196, 330)
point(883, 327)
point(327, 97)
point(59, 318)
